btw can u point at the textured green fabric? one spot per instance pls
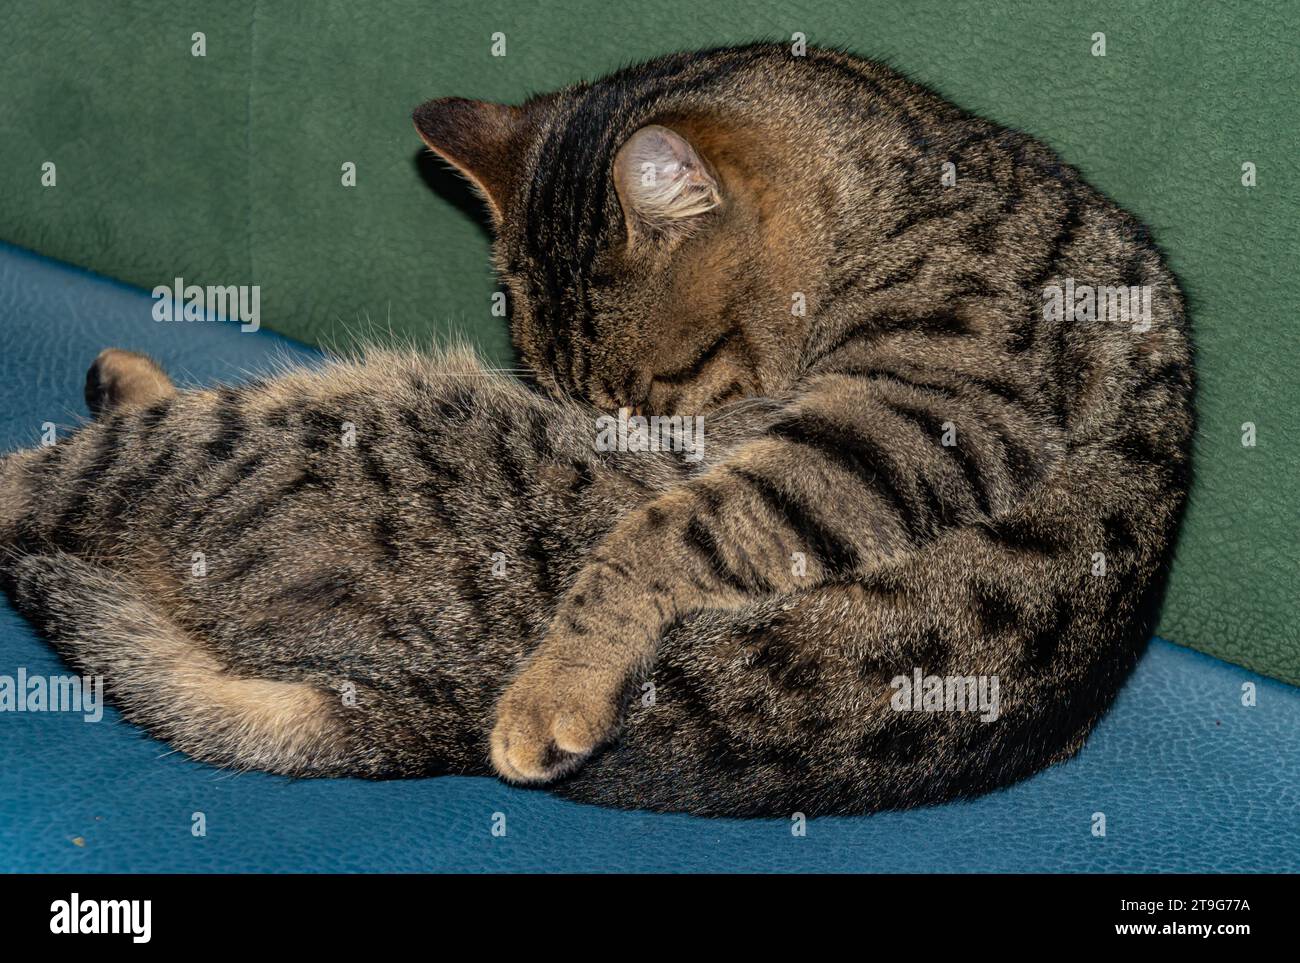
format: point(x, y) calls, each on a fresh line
point(226, 169)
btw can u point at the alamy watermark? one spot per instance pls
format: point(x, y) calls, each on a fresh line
point(1084, 302)
point(194, 302)
point(629, 432)
point(54, 693)
point(131, 917)
point(951, 693)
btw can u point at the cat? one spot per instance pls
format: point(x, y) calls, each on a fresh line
point(914, 471)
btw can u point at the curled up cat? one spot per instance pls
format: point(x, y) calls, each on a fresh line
point(945, 390)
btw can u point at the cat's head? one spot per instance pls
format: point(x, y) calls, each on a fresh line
point(662, 231)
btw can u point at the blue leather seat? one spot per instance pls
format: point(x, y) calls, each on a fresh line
point(1189, 779)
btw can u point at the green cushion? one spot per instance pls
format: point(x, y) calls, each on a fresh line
point(226, 169)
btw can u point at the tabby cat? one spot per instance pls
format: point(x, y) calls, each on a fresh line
point(914, 467)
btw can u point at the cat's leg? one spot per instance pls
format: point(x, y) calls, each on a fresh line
point(163, 678)
point(702, 546)
point(118, 379)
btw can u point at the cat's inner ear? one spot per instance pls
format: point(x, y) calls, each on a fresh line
point(662, 183)
point(479, 139)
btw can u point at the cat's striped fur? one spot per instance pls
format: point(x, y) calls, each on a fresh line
point(948, 463)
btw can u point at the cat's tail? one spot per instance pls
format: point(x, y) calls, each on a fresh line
point(972, 664)
point(165, 680)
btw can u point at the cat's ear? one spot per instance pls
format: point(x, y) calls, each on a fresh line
point(664, 185)
point(483, 141)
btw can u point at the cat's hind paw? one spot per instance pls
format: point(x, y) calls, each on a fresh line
point(120, 378)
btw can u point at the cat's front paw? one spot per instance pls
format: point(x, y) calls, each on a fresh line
point(551, 718)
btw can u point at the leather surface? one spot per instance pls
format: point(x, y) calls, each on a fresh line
point(1188, 778)
point(226, 169)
